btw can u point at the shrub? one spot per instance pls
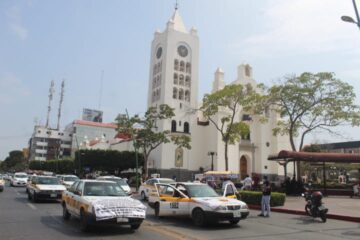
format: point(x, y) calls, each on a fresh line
point(254, 198)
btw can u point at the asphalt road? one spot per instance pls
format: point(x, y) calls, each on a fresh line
point(21, 219)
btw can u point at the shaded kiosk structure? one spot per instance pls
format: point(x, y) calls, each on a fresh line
point(284, 157)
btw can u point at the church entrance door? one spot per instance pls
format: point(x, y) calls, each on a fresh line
point(243, 167)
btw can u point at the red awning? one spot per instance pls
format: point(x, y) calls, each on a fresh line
point(316, 157)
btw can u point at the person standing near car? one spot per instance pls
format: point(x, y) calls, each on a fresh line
point(265, 200)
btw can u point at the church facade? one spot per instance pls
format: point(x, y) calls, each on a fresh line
point(174, 80)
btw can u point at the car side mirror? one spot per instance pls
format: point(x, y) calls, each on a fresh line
point(77, 192)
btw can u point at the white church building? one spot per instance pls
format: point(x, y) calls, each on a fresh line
point(174, 80)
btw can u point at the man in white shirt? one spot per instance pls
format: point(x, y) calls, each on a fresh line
point(247, 183)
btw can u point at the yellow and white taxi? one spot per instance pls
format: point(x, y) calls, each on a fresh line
point(149, 186)
point(101, 202)
point(198, 201)
point(44, 187)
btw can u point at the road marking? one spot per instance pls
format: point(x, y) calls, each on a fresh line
point(173, 234)
point(31, 206)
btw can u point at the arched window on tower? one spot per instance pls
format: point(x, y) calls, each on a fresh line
point(158, 80)
point(155, 69)
point(173, 126)
point(181, 94)
point(175, 78)
point(247, 70)
point(188, 67)
point(187, 95)
point(182, 66)
point(159, 67)
point(186, 127)
point(176, 64)
point(187, 81)
point(154, 82)
point(175, 92)
point(181, 80)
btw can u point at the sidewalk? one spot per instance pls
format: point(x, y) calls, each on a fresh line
point(340, 207)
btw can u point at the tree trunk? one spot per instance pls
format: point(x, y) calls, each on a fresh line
point(226, 157)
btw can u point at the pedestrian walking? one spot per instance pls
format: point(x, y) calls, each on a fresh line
point(265, 200)
point(247, 183)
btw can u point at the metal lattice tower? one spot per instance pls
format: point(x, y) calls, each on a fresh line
point(51, 92)
point(60, 103)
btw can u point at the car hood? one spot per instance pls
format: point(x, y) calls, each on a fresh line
point(214, 202)
point(51, 187)
point(112, 207)
point(21, 179)
point(68, 183)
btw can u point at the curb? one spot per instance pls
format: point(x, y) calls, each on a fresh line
point(300, 212)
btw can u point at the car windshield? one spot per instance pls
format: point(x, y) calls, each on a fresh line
point(166, 181)
point(103, 189)
point(20, 176)
point(47, 181)
point(70, 179)
point(201, 191)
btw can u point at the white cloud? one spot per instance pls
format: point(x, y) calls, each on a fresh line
point(15, 22)
point(11, 88)
point(300, 27)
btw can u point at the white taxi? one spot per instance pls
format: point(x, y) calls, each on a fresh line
point(19, 179)
point(44, 187)
point(101, 202)
point(149, 186)
point(198, 201)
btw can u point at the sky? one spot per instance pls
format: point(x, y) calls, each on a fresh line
point(77, 40)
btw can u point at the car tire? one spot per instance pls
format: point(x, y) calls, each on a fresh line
point(198, 217)
point(234, 221)
point(157, 209)
point(84, 225)
point(66, 215)
point(135, 226)
point(143, 196)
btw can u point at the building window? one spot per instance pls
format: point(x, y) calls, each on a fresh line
point(181, 94)
point(186, 127)
point(176, 64)
point(182, 66)
point(187, 81)
point(247, 70)
point(187, 95)
point(154, 69)
point(188, 68)
point(159, 67)
point(181, 80)
point(173, 126)
point(175, 78)
point(175, 92)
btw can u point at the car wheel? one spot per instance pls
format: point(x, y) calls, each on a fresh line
point(135, 226)
point(323, 216)
point(234, 221)
point(66, 215)
point(84, 225)
point(143, 196)
point(198, 217)
point(157, 209)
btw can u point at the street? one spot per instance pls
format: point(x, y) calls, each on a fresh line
point(21, 219)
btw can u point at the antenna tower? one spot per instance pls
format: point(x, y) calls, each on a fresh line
point(60, 104)
point(51, 92)
point(101, 88)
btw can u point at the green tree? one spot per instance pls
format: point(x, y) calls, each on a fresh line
point(14, 162)
point(226, 104)
point(145, 135)
point(312, 102)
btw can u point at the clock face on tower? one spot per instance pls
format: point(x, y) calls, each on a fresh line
point(182, 50)
point(159, 52)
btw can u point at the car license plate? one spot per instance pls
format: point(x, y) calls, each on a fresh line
point(119, 220)
point(237, 214)
point(53, 195)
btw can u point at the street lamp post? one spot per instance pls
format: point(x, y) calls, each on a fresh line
point(78, 152)
point(212, 159)
point(350, 19)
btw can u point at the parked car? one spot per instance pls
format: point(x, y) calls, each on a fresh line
point(198, 201)
point(46, 188)
point(2, 183)
point(30, 178)
point(149, 186)
point(122, 182)
point(19, 179)
point(68, 180)
point(101, 202)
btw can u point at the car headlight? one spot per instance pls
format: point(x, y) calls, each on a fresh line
point(221, 208)
point(244, 206)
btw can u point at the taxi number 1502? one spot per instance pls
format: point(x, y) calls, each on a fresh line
point(174, 205)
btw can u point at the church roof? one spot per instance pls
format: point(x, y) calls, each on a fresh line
point(178, 22)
